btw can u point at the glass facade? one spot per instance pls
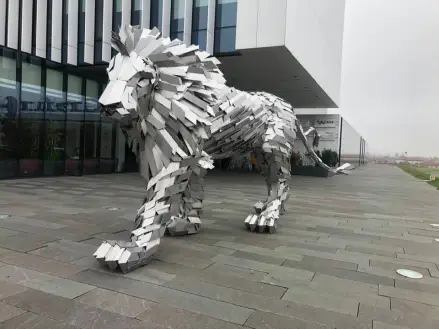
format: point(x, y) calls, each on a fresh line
point(177, 19)
point(199, 23)
point(156, 14)
point(136, 11)
point(225, 26)
point(50, 122)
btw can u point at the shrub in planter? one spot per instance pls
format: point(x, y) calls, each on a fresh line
point(329, 157)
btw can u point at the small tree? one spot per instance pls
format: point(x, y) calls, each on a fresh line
point(329, 157)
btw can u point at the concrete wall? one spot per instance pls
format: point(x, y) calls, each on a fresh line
point(312, 30)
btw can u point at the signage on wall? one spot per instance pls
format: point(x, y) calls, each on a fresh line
point(327, 135)
point(325, 123)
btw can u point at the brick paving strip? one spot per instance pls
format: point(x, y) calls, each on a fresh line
point(332, 263)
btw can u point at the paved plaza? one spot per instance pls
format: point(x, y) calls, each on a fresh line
point(331, 264)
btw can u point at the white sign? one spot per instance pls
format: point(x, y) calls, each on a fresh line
point(325, 123)
point(327, 135)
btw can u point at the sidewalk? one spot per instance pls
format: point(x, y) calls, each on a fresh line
point(331, 263)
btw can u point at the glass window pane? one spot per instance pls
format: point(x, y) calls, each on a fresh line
point(225, 13)
point(135, 12)
point(199, 15)
point(177, 17)
point(117, 14)
point(31, 119)
point(91, 128)
point(8, 114)
point(54, 124)
point(200, 38)
point(156, 14)
point(225, 40)
point(75, 117)
point(106, 163)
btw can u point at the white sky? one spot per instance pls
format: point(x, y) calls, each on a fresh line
point(390, 75)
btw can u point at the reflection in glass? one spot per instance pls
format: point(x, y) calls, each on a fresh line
point(156, 14)
point(31, 118)
point(54, 124)
point(8, 114)
point(135, 12)
point(91, 127)
point(199, 23)
point(75, 120)
point(177, 19)
point(225, 26)
point(107, 163)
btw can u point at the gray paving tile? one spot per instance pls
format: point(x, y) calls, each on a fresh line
point(70, 312)
point(423, 310)
point(259, 258)
point(61, 254)
point(417, 286)
point(257, 250)
point(330, 302)
point(33, 321)
point(267, 304)
point(371, 250)
point(43, 282)
point(380, 325)
point(240, 272)
point(161, 316)
point(115, 302)
point(5, 232)
point(432, 233)
point(164, 295)
point(396, 318)
point(8, 289)
point(273, 270)
point(8, 312)
point(264, 320)
point(394, 267)
point(411, 295)
point(39, 264)
point(344, 257)
point(309, 260)
point(24, 242)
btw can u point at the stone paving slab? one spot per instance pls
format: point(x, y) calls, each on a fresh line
point(332, 263)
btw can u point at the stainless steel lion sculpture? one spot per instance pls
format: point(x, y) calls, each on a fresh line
point(178, 115)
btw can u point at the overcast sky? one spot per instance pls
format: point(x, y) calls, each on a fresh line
point(390, 78)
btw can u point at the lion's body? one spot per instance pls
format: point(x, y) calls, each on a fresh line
point(178, 114)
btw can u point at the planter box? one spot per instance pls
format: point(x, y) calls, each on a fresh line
point(311, 171)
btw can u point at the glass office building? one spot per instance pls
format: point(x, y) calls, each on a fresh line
point(53, 55)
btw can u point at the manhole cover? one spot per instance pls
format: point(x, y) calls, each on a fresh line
point(409, 274)
point(4, 215)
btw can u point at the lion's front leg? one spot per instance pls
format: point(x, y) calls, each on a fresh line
point(188, 221)
point(162, 202)
point(267, 212)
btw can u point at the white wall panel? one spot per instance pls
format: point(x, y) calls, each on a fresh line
point(247, 24)
point(166, 18)
point(106, 30)
point(307, 39)
point(56, 43)
point(187, 33)
point(72, 34)
point(126, 12)
point(2, 22)
point(26, 25)
point(13, 19)
point(89, 31)
point(146, 14)
point(211, 26)
point(41, 29)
